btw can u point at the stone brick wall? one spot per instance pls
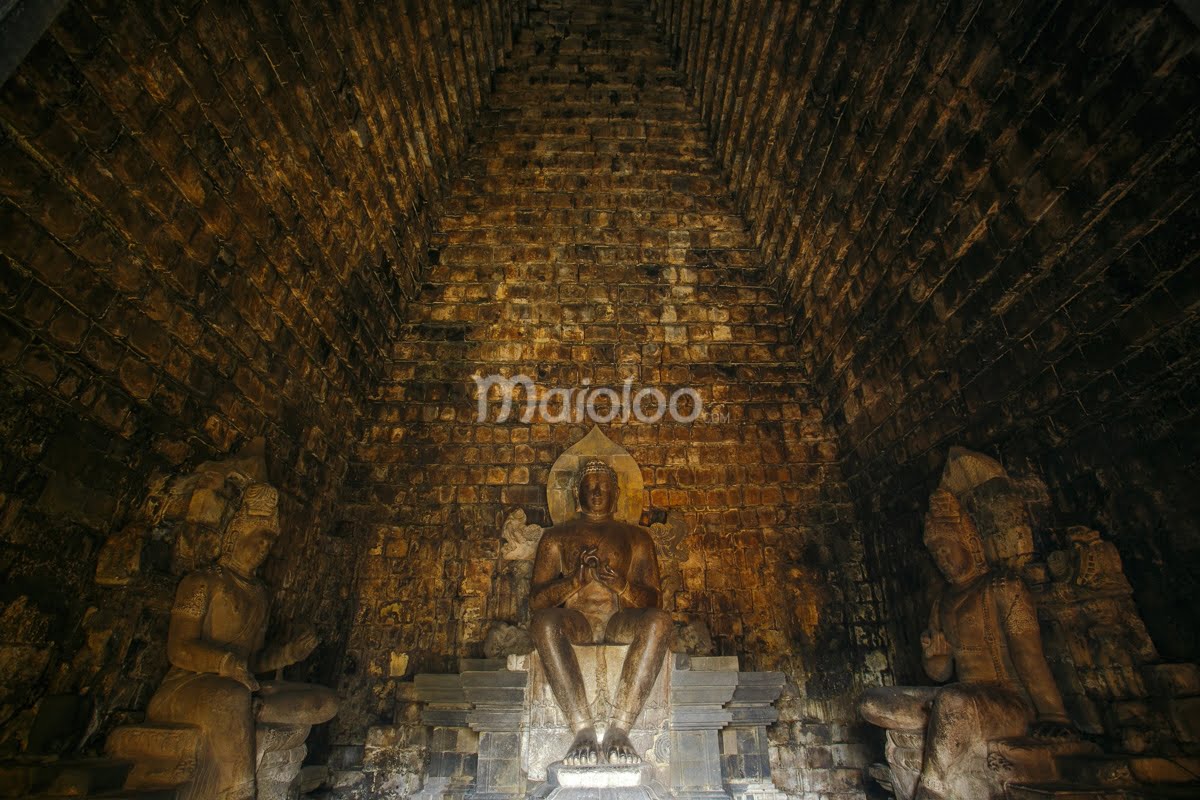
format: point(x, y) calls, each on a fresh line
point(212, 217)
point(863, 232)
point(983, 219)
point(590, 240)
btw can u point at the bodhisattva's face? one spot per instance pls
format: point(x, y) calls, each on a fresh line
point(597, 493)
point(952, 559)
point(250, 550)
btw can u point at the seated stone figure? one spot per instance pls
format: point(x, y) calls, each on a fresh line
point(596, 580)
point(984, 629)
point(216, 646)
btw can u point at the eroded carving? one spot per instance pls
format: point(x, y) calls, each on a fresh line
point(212, 726)
point(1102, 644)
point(984, 631)
point(520, 538)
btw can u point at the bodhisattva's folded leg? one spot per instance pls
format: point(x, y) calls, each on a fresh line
point(898, 708)
point(221, 709)
point(962, 720)
point(293, 703)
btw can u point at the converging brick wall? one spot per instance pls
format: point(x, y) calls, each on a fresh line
point(212, 216)
point(589, 240)
point(983, 219)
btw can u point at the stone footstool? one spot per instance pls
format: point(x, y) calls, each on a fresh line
point(600, 782)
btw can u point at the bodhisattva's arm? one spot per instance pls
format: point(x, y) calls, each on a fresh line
point(936, 653)
point(1024, 636)
point(549, 587)
point(186, 646)
point(284, 654)
point(641, 588)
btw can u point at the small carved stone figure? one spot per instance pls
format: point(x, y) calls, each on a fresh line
point(596, 580)
point(984, 629)
point(1103, 639)
point(216, 646)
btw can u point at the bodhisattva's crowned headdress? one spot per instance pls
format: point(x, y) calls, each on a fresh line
point(259, 500)
point(259, 509)
point(946, 521)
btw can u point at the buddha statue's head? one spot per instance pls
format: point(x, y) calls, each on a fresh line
point(952, 540)
point(597, 490)
point(252, 530)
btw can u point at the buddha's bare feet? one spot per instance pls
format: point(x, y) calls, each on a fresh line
point(619, 749)
point(584, 751)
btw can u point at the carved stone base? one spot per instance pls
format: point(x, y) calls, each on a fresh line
point(278, 772)
point(496, 733)
point(546, 734)
point(281, 752)
point(1035, 792)
point(601, 782)
point(756, 791)
point(1016, 760)
point(1030, 761)
point(905, 752)
point(164, 756)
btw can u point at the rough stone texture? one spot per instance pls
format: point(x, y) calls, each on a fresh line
point(589, 240)
point(982, 217)
point(212, 215)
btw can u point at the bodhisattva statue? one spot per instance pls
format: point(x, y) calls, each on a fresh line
point(596, 581)
point(216, 646)
point(984, 628)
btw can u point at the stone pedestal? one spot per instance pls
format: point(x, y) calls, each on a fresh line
point(163, 756)
point(601, 782)
point(495, 692)
point(700, 690)
point(745, 754)
point(281, 751)
point(475, 720)
point(546, 734)
point(170, 756)
point(495, 731)
point(453, 746)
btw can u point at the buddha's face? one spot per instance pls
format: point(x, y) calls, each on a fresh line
point(597, 493)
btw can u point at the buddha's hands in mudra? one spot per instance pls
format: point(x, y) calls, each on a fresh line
point(586, 569)
point(592, 570)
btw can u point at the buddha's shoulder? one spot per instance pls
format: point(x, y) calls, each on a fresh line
point(640, 530)
point(631, 532)
point(576, 526)
point(559, 531)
